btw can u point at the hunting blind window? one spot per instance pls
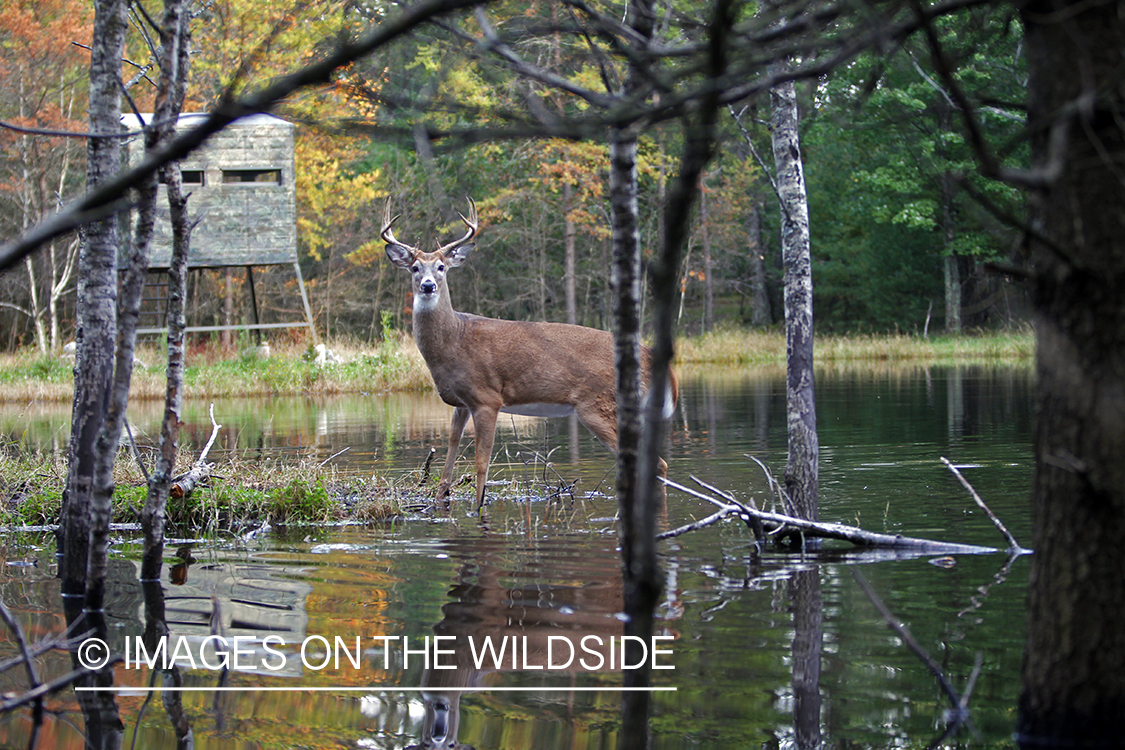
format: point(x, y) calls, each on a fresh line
point(187, 176)
point(256, 176)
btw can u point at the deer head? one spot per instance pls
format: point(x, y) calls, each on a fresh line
point(427, 270)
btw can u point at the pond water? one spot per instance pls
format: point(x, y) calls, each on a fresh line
point(777, 650)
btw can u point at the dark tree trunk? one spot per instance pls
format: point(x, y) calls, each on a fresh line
point(640, 575)
point(760, 315)
point(642, 580)
point(808, 638)
point(1073, 689)
point(626, 284)
point(951, 267)
point(175, 39)
point(802, 468)
point(97, 303)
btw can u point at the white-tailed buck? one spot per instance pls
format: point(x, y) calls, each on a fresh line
point(482, 366)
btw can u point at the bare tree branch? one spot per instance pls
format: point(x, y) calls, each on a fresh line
point(106, 198)
point(1014, 547)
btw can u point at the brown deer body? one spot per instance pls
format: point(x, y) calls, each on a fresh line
point(483, 366)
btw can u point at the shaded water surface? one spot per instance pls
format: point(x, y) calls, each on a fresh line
point(777, 650)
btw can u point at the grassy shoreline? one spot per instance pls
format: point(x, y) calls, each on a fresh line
point(26, 376)
point(265, 492)
point(31, 482)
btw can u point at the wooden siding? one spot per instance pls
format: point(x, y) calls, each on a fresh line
point(242, 223)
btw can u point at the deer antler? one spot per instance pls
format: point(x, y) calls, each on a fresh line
point(472, 222)
point(387, 235)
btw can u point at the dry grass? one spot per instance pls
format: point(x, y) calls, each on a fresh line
point(758, 348)
point(290, 369)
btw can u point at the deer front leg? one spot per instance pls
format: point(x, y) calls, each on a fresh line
point(456, 429)
point(484, 425)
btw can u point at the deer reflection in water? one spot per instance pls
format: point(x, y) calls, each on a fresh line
point(495, 602)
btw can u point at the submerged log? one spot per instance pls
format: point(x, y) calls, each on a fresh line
point(777, 524)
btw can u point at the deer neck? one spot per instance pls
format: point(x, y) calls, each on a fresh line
point(436, 327)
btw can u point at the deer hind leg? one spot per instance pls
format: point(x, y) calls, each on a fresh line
point(484, 425)
point(456, 429)
point(601, 419)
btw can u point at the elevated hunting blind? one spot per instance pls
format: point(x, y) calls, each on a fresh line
point(243, 192)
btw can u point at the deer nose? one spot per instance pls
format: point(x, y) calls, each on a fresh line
point(427, 287)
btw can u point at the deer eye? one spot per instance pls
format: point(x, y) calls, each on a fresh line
point(415, 268)
point(441, 268)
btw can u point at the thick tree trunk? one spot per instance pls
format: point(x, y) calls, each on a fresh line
point(1073, 688)
point(802, 468)
point(97, 303)
point(93, 374)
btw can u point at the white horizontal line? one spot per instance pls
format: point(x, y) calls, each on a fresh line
point(303, 689)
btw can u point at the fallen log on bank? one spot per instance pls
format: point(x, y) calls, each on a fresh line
point(200, 471)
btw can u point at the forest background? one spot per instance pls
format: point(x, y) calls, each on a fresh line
point(904, 231)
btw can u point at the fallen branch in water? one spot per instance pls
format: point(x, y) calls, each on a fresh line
point(776, 523)
point(200, 472)
point(1014, 547)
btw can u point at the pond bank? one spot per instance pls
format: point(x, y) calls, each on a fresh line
point(243, 493)
point(396, 366)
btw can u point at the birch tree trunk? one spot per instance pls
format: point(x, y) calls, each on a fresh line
point(1073, 692)
point(97, 302)
point(93, 374)
point(641, 581)
point(625, 281)
point(951, 278)
point(175, 39)
point(36, 309)
point(802, 467)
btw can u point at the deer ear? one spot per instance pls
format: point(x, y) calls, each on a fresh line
point(400, 255)
point(458, 255)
